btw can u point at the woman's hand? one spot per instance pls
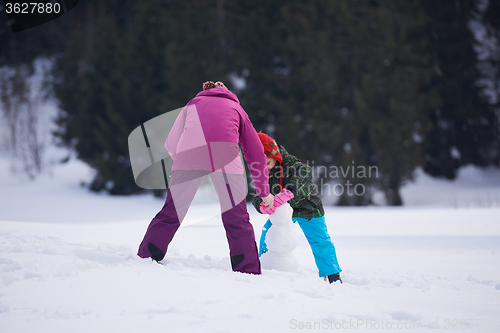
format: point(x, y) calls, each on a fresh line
point(268, 201)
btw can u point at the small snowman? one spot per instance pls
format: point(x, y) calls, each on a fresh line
point(281, 238)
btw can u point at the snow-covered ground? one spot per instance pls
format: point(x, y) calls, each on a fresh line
point(68, 264)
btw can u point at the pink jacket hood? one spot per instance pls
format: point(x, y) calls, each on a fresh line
point(219, 92)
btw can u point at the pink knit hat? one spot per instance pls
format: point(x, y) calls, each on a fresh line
point(279, 199)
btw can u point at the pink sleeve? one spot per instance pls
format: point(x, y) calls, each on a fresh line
point(254, 156)
point(175, 134)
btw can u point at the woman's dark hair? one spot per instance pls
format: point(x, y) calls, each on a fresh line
point(208, 85)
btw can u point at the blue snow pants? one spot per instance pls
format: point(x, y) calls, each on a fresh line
point(317, 236)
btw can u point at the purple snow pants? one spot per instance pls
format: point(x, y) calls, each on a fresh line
point(231, 190)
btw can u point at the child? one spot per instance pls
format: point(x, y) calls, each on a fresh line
point(287, 171)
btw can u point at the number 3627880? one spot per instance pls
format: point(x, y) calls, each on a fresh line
point(32, 8)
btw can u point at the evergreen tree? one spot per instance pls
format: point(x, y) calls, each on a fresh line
point(463, 123)
point(390, 99)
point(23, 47)
point(110, 84)
point(489, 62)
point(124, 67)
point(348, 79)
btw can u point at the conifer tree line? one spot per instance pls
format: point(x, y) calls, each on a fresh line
point(393, 84)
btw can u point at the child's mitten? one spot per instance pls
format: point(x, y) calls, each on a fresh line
point(279, 199)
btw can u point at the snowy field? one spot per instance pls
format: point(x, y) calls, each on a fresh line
point(68, 264)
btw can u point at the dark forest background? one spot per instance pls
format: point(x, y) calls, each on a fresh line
point(393, 84)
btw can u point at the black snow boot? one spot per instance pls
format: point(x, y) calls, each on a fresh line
point(156, 253)
point(334, 278)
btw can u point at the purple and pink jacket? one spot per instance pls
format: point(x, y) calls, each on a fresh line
point(206, 134)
